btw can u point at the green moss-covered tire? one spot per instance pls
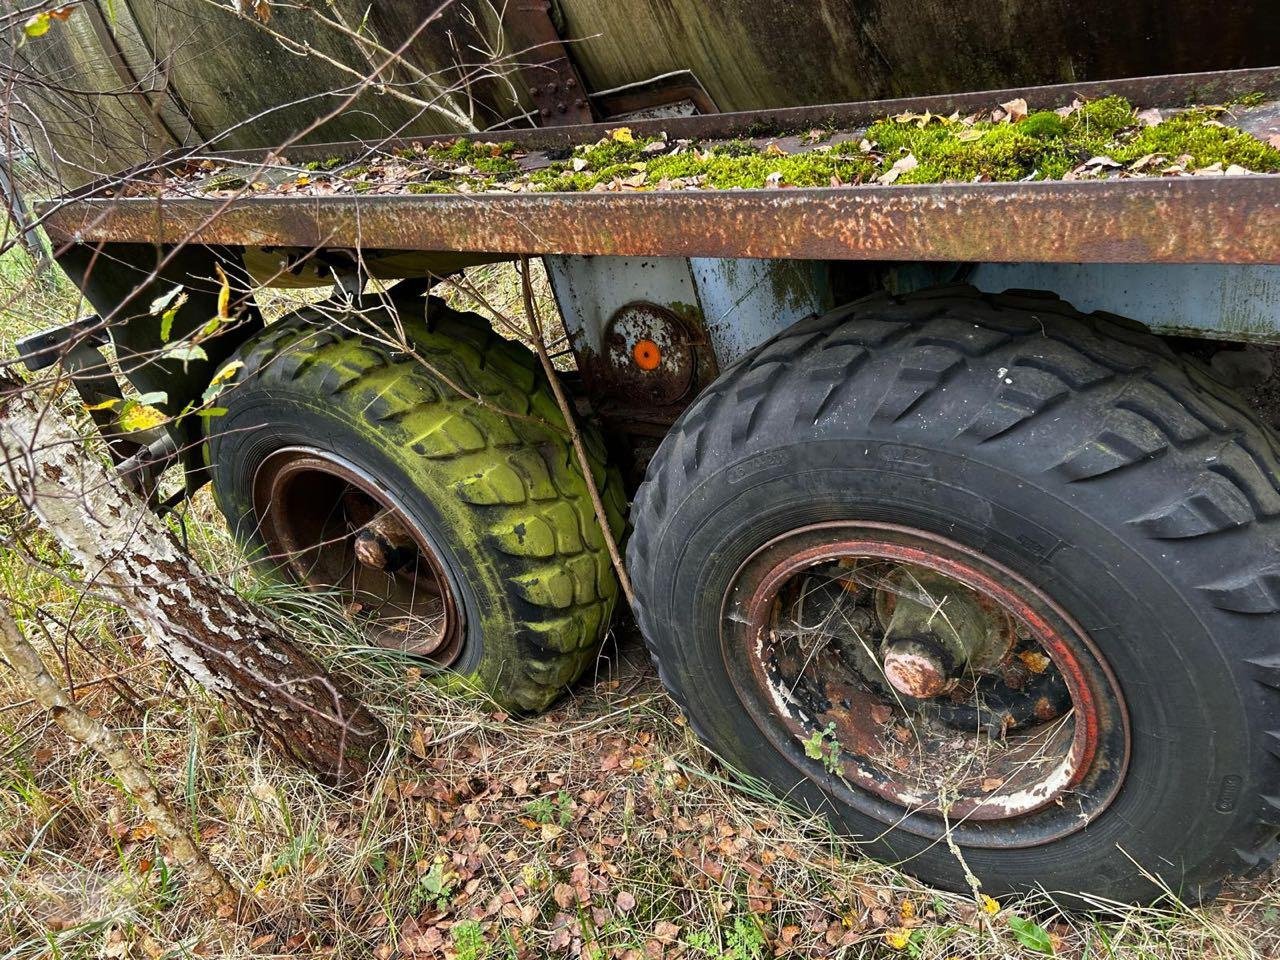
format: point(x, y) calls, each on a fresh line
point(500, 497)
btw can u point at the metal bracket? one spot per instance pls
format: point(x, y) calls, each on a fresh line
point(555, 86)
point(676, 94)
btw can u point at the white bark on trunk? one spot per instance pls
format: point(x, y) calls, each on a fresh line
point(211, 634)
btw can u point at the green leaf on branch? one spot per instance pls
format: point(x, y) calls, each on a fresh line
point(186, 352)
point(167, 306)
point(38, 25)
point(220, 378)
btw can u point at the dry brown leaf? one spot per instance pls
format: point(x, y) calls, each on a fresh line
point(625, 902)
point(1016, 109)
point(909, 162)
point(418, 744)
point(666, 932)
point(564, 895)
point(1150, 118)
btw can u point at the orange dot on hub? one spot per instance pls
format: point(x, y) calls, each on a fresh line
point(646, 354)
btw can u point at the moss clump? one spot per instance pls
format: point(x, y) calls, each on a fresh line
point(328, 163)
point(987, 151)
point(430, 186)
point(1047, 146)
point(224, 181)
point(1199, 135)
point(612, 151)
point(1044, 125)
point(493, 159)
point(1101, 119)
point(735, 148)
point(816, 169)
point(1248, 99)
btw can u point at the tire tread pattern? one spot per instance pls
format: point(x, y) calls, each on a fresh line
point(520, 479)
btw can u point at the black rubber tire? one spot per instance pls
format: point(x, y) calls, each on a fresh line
point(501, 498)
point(1134, 490)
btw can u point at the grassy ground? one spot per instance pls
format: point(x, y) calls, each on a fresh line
point(601, 829)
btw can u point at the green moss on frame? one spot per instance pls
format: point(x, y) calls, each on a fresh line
point(1045, 145)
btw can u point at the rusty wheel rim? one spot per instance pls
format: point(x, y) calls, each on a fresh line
point(333, 528)
point(925, 683)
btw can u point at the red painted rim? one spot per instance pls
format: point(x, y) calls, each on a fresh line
point(312, 508)
point(839, 719)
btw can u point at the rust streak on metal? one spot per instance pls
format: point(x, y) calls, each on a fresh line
point(1174, 220)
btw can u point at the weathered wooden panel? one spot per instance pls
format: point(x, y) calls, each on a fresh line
point(753, 54)
point(190, 70)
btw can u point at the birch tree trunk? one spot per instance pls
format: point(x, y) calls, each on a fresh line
point(209, 632)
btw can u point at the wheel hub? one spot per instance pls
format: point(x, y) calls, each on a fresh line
point(935, 629)
point(334, 529)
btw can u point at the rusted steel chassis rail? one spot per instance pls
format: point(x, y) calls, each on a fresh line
point(1201, 219)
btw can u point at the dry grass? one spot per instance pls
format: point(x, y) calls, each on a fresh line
point(601, 829)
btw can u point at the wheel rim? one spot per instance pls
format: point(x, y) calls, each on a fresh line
point(925, 683)
point(334, 529)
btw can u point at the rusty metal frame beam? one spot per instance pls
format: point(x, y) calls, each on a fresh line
point(1176, 220)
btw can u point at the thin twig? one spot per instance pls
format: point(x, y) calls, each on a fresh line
point(531, 314)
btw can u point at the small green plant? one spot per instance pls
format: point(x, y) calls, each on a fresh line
point(823, 745)
point(1031, 935)
point(557, 810)
point(468, 941)
point(295, 852)
point(745, 940)
point(435, 886)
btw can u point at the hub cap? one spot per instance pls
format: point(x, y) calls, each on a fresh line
point(925, 683)
point(335, 529)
